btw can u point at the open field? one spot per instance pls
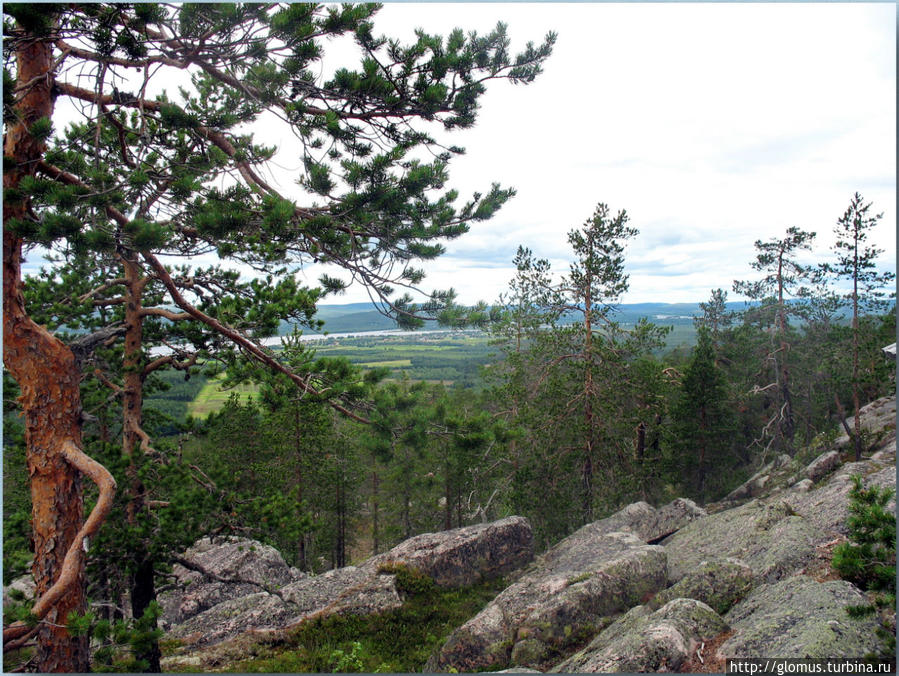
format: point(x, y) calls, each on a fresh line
point(212, 397)
point(452, 358)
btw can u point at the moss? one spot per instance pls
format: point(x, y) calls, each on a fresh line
point(399, 640)
point(529, 652)
point(580, 578)
point(408, 579)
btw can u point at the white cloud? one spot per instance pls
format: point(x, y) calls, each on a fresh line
point(714, 125)
point(731, 121)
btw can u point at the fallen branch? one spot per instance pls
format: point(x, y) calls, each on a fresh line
point(196, 567)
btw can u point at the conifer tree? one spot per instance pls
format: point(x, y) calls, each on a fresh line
point(596, 281)
point(702, 419)
point(715, 315)
point(856, 263)
point(152, 187)
point(784, 277)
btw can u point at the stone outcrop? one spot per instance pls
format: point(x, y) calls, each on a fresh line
point(761, 481)
point(262, 593)
point(826, 506)
point(741, 567)
point(646, 589)
point(241, 567)
point(257, 612)
point(466, 556)
point(595, 573)
point(799, 617)
point(770, 537)
point(877, 418)
point(719, 583)
point(823, 465)
point(643, 640)
point(22, 588)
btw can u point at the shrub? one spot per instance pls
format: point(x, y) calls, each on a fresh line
point(869, 558)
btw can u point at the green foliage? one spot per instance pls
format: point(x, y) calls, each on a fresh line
point(397, 641)
point(869, 558)
point(408, 579)
point(702, 426)
point(119, 643)
point(348, 662)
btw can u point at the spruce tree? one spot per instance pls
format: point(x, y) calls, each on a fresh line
point(702, 421)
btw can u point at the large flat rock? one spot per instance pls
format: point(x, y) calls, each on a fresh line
point(207, 611)
point(565, 598)
point(769, 536)
point(718, 582)
point(249, 567)
point(258, 612)
point(878, 417)
point(826, 506)
point(643, 640)
point(800, 617)
point(466, 556)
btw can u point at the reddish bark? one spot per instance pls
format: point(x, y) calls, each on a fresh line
point(48, 376)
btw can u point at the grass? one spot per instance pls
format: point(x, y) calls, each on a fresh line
point(398, 641)
point(448, 358)
point(388, 363)
point(212, 397)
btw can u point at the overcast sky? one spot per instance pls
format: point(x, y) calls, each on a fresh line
point(712, 125)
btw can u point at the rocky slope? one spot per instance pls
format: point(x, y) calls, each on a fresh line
point(223, 594)
point(674, 588)
point(645, 589)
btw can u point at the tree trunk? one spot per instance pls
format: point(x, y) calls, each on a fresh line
point(49, 377)
point(703, 428)
point(842, 415)
point(788, 423)
point(587, 467)
point(143, 590)
point(375, 534)
point(855, 399)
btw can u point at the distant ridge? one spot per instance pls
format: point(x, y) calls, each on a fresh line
point(362, 317)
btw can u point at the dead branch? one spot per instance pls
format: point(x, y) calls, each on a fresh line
point(83, 346)
point(205, 572)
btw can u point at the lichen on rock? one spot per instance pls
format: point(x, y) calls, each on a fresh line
point(799, 617)
point(643, 640)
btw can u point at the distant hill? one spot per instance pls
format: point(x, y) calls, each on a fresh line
point(359, 317)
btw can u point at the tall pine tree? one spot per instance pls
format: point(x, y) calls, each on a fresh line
point(153, 187)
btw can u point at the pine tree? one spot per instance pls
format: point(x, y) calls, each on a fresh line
point(151, 188)
point(856, 263)
point(596, 280)
point(784, 276)
point(715, 315)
